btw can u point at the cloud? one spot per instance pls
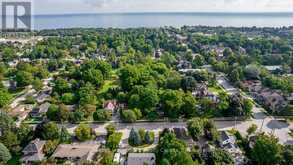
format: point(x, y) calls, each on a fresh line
point(280, 3)
point(90, 6)
point(99, 3)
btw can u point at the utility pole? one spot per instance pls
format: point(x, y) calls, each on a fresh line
point(263, 120)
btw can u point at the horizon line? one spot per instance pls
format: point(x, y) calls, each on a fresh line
point(163, 12)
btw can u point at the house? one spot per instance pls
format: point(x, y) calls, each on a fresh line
point(182, 134)
point(157, 54)
point(183, 64)
point(41, 110)
point(184, 71)
point(42, 97)
point(201, 90)
point(274, 68)
point(20, 112)
point(111, 105)
point(180, 38)
point(101, 138)
point(272, 99)
point(228, 143)
point(33, 152)
point(10, 84)
point(75, 153)
point(225, 138)
point(141, 159)
point(242, 50)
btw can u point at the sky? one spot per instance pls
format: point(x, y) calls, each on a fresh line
point(126, 6)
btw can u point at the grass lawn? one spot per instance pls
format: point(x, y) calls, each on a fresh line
point(216, 89)
point(107, 85)
point(32, 120)
point(14, 161)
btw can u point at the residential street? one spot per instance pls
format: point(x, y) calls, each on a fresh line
point(264, 122)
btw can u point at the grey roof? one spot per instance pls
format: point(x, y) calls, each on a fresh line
point(181, 133)
point(224, 136)
point(273, 67)
point(33, 157)
point(34, 146)
point(75, 150)
point(229, 146)
point(141, 158)
point(44, 107)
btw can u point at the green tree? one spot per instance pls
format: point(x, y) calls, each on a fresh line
point(143, 97)
point(4, 153)
point(189, 106)
point(266, 150)
point(172, 102)
point(129, 116)
point(68, 98)
point(188, 83)
point(50, 131)
point(129, 76)
point(247, 107)
point(219, 156)
point(52, 113)
point(87, 95)
point(76, 116)
point(5, 97)
point(252, 129)
point(110, 129)
point(102, 115)
point(287, 158)
point(107, 157)
point(8, 54)
point(113, 141)
point(50, 147)
point(6, 123)
point(134, 138)
point(195, 127)
point(88, 110)
point(61, 86)
point(174, 80)
point(105, 68)
point(10, 140)
point(23, 78)
point(25, 133)
point(65, 137)
point(83, 132)
point(172, 150)
point(94, 76)
point(63, 113)
point(252, 72)
point(210, 130)
point(142, 133)
point(37, 84)
point(224, 101)
point(148, 138)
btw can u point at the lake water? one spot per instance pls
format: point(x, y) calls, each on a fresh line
point(163, 19)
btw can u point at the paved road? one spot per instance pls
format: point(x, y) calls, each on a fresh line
point(226, 85)
point(269, 126)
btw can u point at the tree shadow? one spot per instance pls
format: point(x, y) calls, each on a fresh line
point(259, 115)
point(275, 124)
